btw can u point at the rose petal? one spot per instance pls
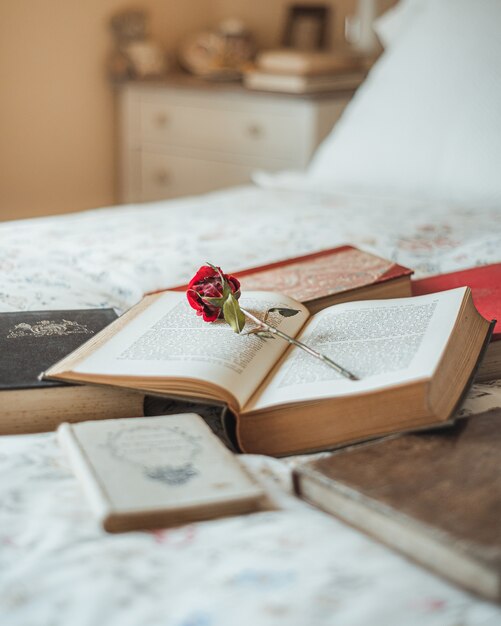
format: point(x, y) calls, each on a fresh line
point(194, 300)
point(233, 282)
point(210, 314)
point(203, 273)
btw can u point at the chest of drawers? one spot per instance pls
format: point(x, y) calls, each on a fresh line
point(184, 137)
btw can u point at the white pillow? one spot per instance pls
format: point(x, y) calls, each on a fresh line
point(427, 121)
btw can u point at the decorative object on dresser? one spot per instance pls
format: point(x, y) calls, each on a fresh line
point(135, 55)
point(485, 284)
point(307, 26)
point(161, 471)
point(30, 341)
point(328, 277)
point(220, 54)
point(435, 497)
point(186, 136)
point(360, 28)
point(406, 352)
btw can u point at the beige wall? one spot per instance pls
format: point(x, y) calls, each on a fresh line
point(56, 107)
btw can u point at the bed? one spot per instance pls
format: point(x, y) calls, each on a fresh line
point(295, 565)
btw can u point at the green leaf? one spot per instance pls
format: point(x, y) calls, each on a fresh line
point(232, 314)
point(283, 311)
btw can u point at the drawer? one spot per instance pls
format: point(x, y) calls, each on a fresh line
point(168, 176)
point(260, 133)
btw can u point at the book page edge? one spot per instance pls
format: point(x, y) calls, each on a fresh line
point(84, 471)
point(433, 548)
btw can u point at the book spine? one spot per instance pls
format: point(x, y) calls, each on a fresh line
point(84, 472)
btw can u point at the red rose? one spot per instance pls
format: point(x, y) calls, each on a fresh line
point(207, 283)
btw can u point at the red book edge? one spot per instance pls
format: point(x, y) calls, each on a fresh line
point(484, 282)
point(395, 271)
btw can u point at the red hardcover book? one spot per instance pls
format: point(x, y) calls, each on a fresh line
point(485, 285)
point(329, 277)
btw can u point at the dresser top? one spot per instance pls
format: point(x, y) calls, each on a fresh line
point(183, 81)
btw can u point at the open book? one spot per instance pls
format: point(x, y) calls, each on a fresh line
point(414, 358)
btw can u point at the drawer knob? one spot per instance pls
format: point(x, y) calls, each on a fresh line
point(255, 131)
point(162, 119)
point(162, 177)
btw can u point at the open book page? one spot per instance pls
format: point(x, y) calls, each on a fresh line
point(168, 339)
point(383, 342)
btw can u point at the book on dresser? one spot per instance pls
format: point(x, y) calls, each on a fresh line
point(485, 284)
point(156, 472)
point(307, 63)
point(327, 277)
point(435, 497)
point(30, 341)
point(301, 84)
point(302, 72)
point(414, 357)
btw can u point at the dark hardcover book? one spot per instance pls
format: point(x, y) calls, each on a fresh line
point(435, 497)
point(31, 341)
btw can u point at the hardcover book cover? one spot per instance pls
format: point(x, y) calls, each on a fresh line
point(328, 277)
point(156, 472)
point(434, 496)
point(322, 274)
point(32, 341)
point(485, 285)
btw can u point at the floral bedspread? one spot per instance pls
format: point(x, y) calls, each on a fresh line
point(291, 566)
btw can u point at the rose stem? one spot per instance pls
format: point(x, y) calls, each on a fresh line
point(274, 331)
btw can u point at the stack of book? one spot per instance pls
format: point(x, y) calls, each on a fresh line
point(32, 341)
point(359, 308)
point(299, 72)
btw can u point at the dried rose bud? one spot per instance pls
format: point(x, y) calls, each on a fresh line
point(206, 292)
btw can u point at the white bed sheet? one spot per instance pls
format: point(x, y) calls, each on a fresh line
point(295, 566)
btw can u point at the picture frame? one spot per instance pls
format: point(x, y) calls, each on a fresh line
point(306, 27)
